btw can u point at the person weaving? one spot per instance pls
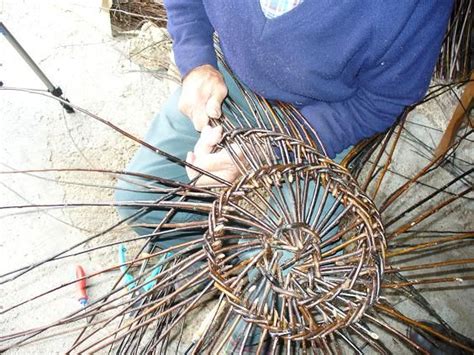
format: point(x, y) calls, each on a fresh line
point(349, 67)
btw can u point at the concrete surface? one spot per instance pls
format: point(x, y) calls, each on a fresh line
point(71, 41)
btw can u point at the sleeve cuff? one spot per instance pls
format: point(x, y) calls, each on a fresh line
point(193, 56)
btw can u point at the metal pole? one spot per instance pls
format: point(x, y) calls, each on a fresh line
point(56, 91)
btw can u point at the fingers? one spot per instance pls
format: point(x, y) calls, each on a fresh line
point(215, 161)
point(209, 162)
point(228, 175)
point(210, 136)
point(219, 164)
point(237, 151)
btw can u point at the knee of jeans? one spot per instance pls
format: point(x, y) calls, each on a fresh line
point(128, 193)
point(124, 193)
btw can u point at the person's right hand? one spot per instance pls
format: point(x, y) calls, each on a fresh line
point(202, 94)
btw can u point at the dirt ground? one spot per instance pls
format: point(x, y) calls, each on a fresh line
point(72, 43)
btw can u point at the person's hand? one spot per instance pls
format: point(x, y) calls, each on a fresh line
point(202, 94)
point(219, 163)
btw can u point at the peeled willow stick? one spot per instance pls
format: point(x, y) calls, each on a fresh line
point(434, 243)
point(375, 163)
point(459, 279)
point(429, 265)
point(388, 160)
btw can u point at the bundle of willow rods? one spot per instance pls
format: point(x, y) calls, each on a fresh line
point(456, 58)
point(131, 14)
point(298, 255)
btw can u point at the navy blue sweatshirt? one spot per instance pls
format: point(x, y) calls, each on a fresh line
point(349, 66)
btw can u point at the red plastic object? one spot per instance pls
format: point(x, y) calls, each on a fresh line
point(81, 283)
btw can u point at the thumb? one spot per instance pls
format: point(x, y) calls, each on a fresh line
point(215, 161)
point(213, 107)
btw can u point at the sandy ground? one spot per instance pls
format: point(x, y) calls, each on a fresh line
point(71, 41)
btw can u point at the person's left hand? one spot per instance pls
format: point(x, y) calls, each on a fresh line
point(219, 163)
